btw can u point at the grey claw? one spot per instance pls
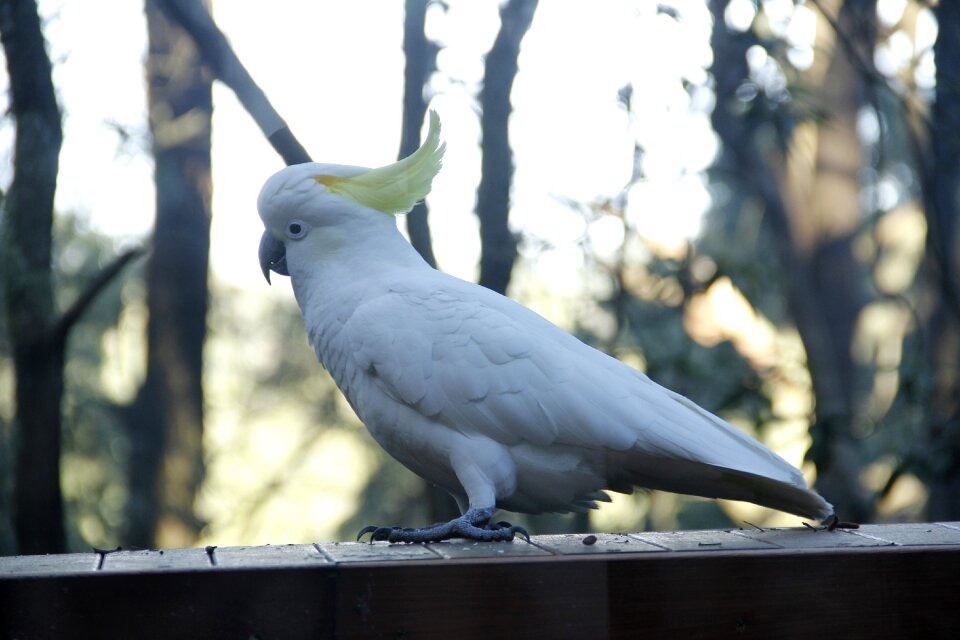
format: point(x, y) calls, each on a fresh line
point(377, 533)
point(506, 531)
point(367, 529)
point(521, 531)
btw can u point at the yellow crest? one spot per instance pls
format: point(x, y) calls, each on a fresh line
point(395, 188)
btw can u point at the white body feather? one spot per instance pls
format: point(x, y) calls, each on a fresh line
point(484, 397)
point(489, 400)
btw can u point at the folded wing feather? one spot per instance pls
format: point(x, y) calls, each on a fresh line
point(485, 366)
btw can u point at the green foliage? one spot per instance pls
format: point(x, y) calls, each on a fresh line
point(94, 444)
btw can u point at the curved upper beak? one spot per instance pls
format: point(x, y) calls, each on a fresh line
point(273, 256)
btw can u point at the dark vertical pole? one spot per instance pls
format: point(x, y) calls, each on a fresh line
point(38, 346)
point(166, 418)
point(498, 245)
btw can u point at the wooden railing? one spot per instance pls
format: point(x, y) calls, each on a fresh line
point(879, 581)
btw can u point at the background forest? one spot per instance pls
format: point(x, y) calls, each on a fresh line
point(754, 201)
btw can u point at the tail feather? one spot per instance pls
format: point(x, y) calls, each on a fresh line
point(712, 481)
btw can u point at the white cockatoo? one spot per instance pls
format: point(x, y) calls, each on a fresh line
point(473, 391)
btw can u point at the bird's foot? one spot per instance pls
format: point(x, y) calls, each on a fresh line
point(473, 525)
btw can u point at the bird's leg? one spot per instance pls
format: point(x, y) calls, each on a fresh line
point(473, 525)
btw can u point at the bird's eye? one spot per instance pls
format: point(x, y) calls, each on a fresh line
point(296, 229)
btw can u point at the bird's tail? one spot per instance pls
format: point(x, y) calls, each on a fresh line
point(713, 481)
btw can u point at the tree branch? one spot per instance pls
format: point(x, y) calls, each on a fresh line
point(217, 53)
point(83, 301)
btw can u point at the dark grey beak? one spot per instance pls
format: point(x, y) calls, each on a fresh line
point(273, 256)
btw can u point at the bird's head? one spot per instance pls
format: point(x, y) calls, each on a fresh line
point(311, 200)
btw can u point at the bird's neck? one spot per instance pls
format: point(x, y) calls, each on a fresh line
point(332, 280)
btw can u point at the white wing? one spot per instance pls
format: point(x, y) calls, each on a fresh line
point(482, 365)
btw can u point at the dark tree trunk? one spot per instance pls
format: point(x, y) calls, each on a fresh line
point(166, 418)
point(943, 330)
point(173, 385)
point(824, 231)
point(37, 339)
point(498, 245)
point(813, 234)
point(421, 55)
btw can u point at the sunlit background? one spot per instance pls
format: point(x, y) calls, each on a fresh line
point(289, 462)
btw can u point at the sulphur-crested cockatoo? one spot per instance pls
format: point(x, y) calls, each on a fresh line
point(475, 392)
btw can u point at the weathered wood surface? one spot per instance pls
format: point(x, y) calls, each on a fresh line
point(880, 581)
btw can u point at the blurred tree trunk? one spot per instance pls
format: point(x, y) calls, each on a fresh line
point(498, 245)
point(824, 216)
point(813, 209)
point(166, 417)
point(941, 269)
point(37, 337)
point(421, 62)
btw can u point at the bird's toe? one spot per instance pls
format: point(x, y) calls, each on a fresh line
point(379, 533)
point(473, 525)
point(367, 529)
point(520, 531)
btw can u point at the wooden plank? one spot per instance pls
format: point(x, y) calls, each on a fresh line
point(891, 581)
point(376, 552)
point(293, 555)
point(234, 603)
point(701, 540)
point(156, 560)
point(501, 598)
point(796, 538)
point(854, 592)
point(598, 543)
point(459, 549)
point(48, 564)
point(911, 533)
